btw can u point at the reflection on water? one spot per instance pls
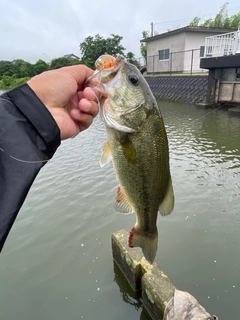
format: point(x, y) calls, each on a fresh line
point(128, 294)
point(57, 261)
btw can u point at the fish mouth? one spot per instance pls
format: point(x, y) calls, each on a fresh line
point(102, 75)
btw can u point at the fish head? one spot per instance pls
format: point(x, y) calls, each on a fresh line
point(126, 97)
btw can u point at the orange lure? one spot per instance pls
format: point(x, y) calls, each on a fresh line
point(105, 62)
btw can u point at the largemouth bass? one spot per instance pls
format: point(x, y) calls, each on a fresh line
point(137, 144)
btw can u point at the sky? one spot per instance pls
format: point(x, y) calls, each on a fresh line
point(48, 29)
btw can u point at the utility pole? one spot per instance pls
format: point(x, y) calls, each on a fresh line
point(151, 29)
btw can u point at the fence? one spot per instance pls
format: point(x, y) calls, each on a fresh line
point(223, 44)
point(186, 62)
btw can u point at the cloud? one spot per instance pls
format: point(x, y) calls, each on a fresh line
point(34, 30)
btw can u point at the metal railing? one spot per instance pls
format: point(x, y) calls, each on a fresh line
point(222, 45)
point(180, 62)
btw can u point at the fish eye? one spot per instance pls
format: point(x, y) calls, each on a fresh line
point(133, 79)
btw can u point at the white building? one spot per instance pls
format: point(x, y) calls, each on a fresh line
point(179, 50)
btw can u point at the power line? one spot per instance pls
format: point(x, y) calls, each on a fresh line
point(185, 21)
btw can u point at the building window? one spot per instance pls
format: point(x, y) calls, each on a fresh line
point(164, 54)
point(202, 49)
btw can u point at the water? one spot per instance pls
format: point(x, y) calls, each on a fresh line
point(57, 262)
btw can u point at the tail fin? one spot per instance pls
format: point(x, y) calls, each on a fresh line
point(147, 243)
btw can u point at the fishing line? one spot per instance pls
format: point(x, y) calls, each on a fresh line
point(98, 102)
point(39, 161)
point(25, 161)
point(215, 109)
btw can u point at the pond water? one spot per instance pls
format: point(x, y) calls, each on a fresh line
point(57, 262)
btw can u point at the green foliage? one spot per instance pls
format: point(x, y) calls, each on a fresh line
point(93, 47)
point(8, 82)
point(195, 22)
point(14, 73)
point(23, 68)
point(40, 66)
point(131, 58)
point(6, 68)
point(221, 20)
point(63, 62)
point(143, 47)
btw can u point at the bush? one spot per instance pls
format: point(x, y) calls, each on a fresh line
point(8, 82)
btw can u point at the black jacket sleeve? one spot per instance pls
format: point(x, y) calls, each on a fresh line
point(29, 136)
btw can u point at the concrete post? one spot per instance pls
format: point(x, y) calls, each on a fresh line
point(155, 287)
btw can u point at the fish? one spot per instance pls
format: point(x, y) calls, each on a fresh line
point(138, 146)
point(184, 306)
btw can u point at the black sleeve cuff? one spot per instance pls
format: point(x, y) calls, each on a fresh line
point(25, 99)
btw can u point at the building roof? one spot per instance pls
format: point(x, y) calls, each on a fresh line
point(189, 29)
point(70, 56)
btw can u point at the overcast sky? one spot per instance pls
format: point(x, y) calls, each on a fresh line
point(48, 29)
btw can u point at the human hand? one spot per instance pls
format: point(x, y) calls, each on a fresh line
point(71, 104)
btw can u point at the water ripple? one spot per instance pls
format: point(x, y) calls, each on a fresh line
point(59, 250)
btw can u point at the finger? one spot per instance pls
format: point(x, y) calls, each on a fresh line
point(90, 107)
point(85, 121)
point(91, 94)
point(80, 73)
point(85, 107)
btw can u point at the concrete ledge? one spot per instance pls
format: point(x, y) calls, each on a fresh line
point(156, 288)
point(128, 260)
point(204, 106)
point(153, 286)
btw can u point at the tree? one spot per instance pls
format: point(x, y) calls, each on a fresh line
point(143, 47)
point(93, 47)
point(221, 20)
point(6, 68)
point(63, 62)
point(23, 68)
point(195, 22)
point(131, 58)
point(40, 66)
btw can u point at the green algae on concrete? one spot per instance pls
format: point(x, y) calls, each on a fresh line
point(157, 291)
point(128, 260)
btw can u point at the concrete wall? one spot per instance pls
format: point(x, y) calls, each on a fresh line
point(186, 89)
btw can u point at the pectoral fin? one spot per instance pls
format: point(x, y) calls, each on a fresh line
point(106, 155)
point(122, 204)
point(167, 205)
point(128, 150)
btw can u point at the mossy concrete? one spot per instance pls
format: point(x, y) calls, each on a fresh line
point(127, 259)
point(155, 287)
